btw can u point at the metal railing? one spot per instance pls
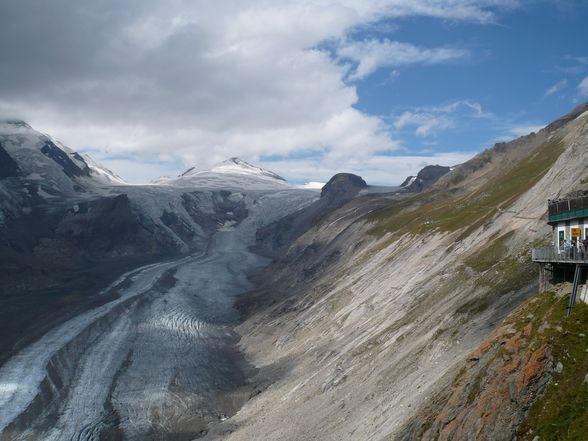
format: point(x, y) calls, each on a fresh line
point(552, 254)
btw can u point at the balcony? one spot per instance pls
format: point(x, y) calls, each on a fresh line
point(552, 255)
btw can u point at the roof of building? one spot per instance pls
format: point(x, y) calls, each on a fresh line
point(567, 209)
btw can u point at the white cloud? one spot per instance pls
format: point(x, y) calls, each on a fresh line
point(578, 59)
point(374, 54)
point(428, 121)
point(394, 74)
point(518, 130)
point(376, 169)
point(201, 81)
point(525, 129)
point(471, 108)
point(138, 169)
point(556, 88)
point(583, 87)
point(481, 11)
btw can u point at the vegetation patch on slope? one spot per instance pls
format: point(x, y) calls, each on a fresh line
point(440, 211)
point(490, 255)
point(527, 381)
point(562, 412)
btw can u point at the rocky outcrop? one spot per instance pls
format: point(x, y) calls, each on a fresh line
point(342, 187)
point(424, 178)
point(492, 394)
point(70, 168)
point(500, 393)
point(103, 229)
point(8, 166)
point(560, 122)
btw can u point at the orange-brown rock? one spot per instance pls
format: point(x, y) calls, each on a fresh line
point(489, 398)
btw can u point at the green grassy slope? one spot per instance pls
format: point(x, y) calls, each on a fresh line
point(438, 210)
point(561, 414)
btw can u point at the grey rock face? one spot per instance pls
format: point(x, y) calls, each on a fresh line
point(394, 312)
point(8, 166)
point(340, 189)
point(72, 170)
point(424, 178)
point(342, 186)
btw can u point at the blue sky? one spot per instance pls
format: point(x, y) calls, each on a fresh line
point(306, 88)
point(523, 71)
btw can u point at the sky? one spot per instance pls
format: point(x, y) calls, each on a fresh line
point(305, 88)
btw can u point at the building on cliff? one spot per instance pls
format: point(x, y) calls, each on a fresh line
point(567, 256)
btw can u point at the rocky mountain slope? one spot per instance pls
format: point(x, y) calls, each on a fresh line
point(424, 178)
point(527, 380)
point(374, 309)
point(340, 189)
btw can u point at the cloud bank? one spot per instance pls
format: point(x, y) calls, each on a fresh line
point(196, 82)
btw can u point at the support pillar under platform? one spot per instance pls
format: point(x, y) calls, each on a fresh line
point(541, 277)
point(574, 289)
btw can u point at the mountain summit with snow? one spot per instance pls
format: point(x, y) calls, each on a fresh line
point(235, 166)
point(232, 173)
point(47, 168)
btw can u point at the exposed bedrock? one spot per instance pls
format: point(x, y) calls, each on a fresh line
point(342, 187)
point(274, 239)
point(424, 178)
point(8, 166)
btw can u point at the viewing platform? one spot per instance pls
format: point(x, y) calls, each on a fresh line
point(568, 253)
point(553, 255)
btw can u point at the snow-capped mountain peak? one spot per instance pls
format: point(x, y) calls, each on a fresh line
point(9, 125)
point(46, 165)
point(101, 173)
point(234, 166)
point(232, 173)
point(49, 165)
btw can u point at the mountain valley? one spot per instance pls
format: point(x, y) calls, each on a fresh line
point(228, 304)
